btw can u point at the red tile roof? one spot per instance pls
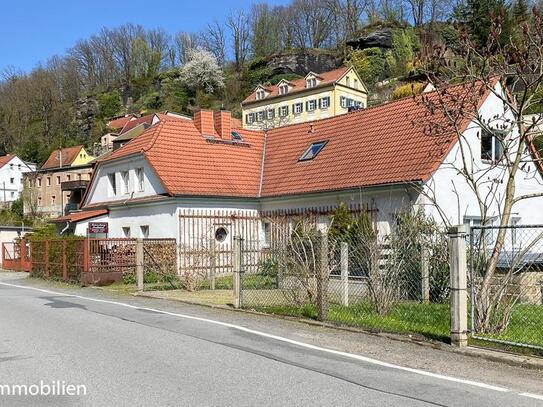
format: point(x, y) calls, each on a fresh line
point(188, 164)
point(82, 215)
point(69, 154)
point(119, 122)
point(298, 85)
point(136, 122)
point(381, 145)
point(6, 159)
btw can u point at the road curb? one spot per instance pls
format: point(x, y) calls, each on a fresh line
point(510, 359)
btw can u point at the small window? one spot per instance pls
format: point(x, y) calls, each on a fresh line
point(311, 105)
point(68, 177)
point(58, 179)
point(140, 179)
point(236, 136)
point(12, 194)
point(260, 116)
point(348, 82)
point(221, 234)
point(39, 182)
point(492, 146)
point(125, 177)
point(39, 200)
point(298, 108)
point(53, 199)
point(144, 231)
point(283, 89)
point(249, 118)
point(312, 151)
point(12, 180)
point(283, 111)
point(48, 181)
point(311, 83)
point(11, 166)
point(112, 184)
point(343, 101)
point(260, 94)
point(19, 167)
point(126, 231)
point(355, 83)
point(270, 114)
point(325, 102)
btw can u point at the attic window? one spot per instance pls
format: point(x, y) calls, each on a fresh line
point(283, 89)
point(260, 94)
point(236, 136)
point(313, 150)
point(311, 82)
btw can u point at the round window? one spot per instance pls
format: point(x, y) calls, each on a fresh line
point(220, 234)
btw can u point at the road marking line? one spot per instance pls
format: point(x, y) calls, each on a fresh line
point(532, 395)
point(283, 339)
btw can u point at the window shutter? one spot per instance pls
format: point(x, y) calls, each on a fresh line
point(307, 105)
point(293, 108)
point(286, 110)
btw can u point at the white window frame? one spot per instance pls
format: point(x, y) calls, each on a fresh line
point(323, 101)
point(283, 89)
point(112, 184)
point(260, 94)
point(311, 105)
point(495, 135)
point(283, 111)
point(140, 179)
point(126, 232)
point(125, 182)
point(269, 114)
point(311, 82)
point(144, 231)
point(298, 108)
point(260, 116)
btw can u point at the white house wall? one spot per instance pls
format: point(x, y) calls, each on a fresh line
point(449, 191)
point(100, 189)
point(13, 170)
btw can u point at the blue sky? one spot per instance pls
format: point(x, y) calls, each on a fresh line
point(32, 31)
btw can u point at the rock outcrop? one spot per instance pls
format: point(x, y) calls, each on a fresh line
point(379, 39)
point(302, 62)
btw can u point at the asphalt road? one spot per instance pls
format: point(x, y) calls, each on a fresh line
point(135, 356)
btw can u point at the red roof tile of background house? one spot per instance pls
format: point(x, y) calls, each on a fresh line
point(382, 145)
point(136, 122)
point(82, 215)
point(6, 159)
point(69, 154)
point(188, 164)
point(326, 78)
point(119, 122)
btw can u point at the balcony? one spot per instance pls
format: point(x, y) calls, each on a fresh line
point(75, 185)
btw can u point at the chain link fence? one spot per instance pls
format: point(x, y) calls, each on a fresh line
point(353, 276)
point(506, 279)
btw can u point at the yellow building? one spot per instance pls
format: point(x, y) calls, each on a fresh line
point(316, 96)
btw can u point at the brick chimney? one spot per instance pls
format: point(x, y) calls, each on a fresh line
point(203, 120)
point(223, 124)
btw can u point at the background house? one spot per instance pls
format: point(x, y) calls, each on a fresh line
point(58, 186)
point(316, 96)
point(12, 169)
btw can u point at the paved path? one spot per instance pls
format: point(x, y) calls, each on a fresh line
point(128, 354)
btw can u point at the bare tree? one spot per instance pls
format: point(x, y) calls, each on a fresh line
point(238, 23)
point(214, 40)
point(184, 43)
point(508, 131)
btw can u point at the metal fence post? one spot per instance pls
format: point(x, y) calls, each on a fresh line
point(139, 263)
point(459, 295)
point(322, 278)
point(425, 275)
point(237, 271)
point(344, 262)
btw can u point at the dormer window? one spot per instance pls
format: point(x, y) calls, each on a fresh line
point(283, 89)
point(311, 82)
point(312, 151)
point(348, 81)
point(260, 94)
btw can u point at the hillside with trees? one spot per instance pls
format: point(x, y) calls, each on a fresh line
point(132, 69)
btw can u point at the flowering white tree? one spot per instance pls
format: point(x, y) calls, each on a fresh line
point(202, 71)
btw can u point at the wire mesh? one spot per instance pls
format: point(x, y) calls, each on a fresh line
point(506, 281)
point(397, 283)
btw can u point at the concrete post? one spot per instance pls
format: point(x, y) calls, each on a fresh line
point(322, 278)
point(425, 275)
point(238, 240)
point(459, 294)
point(344, 263)
point(139, 263)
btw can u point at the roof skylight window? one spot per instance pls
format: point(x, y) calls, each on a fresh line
point(313, 150)
point(236, 136)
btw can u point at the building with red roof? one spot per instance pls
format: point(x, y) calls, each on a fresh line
point(380, 159)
